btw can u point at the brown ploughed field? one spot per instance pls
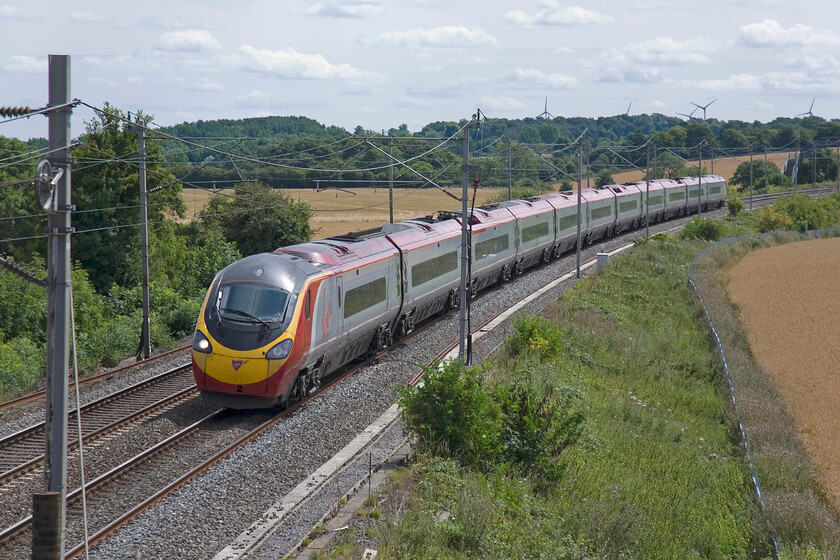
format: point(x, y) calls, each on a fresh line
point(790, 310)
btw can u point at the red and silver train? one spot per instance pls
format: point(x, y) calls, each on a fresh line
point(274, 324)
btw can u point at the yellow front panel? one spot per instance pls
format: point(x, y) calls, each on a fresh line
point(239, 369)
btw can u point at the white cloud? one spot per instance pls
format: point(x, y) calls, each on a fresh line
point(658, 4)
point(770, 34)
point(160, 21)
point(107, 62)
point(645, 62)
point(665, 50)
point(536, 79)
point(554, 14)
point(205, 87)
point(735, 82)
point(16, 12)
point(500, 103)
point(89, 17)
point(189, 41)
point(255, 98)
point(631, 74)
point(347, 10)
point(439, 37)
point(289, 63)
point(18, 64)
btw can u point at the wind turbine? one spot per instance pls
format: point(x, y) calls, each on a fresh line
point(545, 114)
point(690, 115)
point(809, 113)
point(704, 107)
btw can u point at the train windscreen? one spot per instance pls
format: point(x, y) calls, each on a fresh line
point(250, 302)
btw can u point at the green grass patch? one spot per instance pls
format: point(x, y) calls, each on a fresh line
point(654, 469)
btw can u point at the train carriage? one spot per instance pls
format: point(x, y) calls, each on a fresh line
point(535, 231)
point(600, 208)
point(431, 253)
point(675, 197)
point(629, 206)
point(493, 246)
point(565, 219)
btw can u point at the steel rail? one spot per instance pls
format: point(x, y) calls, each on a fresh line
point(36, 395)
point(32, 437)
point(159, 406)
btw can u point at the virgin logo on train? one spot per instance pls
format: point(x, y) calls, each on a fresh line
point(236, 364)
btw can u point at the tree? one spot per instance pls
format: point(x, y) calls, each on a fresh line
point(741, 176)
point(731, 138)
point(259, 219)
point(604, 178)
point(106, 194)
point(17, 199)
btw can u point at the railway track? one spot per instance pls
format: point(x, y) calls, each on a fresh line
point(23, 450)
point(104, 376)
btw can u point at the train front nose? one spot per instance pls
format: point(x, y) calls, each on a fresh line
point(236, 374)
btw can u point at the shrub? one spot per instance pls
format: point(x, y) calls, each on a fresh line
point(771, 220)
point(454, 413)
point(23, 364)
point(735, 206)
point(535, 335)
point(540, 421)
point(808, 213)
point(702, 228)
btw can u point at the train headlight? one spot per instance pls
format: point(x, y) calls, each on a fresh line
point(201, 344)
point(280, 350)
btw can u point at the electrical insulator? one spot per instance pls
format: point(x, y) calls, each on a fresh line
point(14, 111)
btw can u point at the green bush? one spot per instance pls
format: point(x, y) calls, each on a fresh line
point(540, 421)
point(771, 220)
point(703, 228)
point(22, 366)
point(534, 334)
point(809, 213)
point(453, 413)
point(735, 206)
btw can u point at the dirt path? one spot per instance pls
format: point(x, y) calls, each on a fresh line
point(789, 300)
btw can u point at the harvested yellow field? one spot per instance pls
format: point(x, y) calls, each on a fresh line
point(336, 212)
point(787, 297)
point(725, 167)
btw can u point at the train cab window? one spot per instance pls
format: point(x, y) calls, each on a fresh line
point(246, 302)
point(306, 305)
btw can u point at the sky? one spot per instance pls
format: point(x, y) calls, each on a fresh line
point(383, 63)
